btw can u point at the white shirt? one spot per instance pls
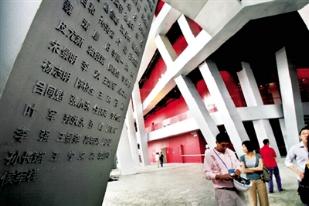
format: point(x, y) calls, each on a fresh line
point(299, 154)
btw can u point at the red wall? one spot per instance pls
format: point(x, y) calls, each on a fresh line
point(172, 108)
point(201, 88)
point(303, 79)
point(234, 91)
point(159, 7)
point(194, 26)
point(186, 144)
point(180, 44)
point(159, 68)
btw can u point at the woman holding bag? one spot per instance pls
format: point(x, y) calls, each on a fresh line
point(252, 166)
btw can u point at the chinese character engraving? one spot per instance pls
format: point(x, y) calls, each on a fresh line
point(17, 177)
point(28, 110)
point(43, 136)
point(85, 24)
point(84, 66)
point(51, 115)
point(20, 134)
point(67, 7)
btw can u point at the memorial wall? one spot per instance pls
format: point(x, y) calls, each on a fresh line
point(64, 104)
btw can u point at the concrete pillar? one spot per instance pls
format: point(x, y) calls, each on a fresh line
point(304, 13)
point(253, 98)
point(291, 101)
point(224, 104)
point(166, 49)
point(185, 29)
point(141, 133)
point(129, 122)
point(277, 100)
point(198, 110)
point(126, 164)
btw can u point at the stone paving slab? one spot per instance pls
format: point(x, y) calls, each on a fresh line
point(181, 185)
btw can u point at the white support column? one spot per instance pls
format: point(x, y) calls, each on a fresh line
point(304, 13)
point(253, 97)
point(198, 110)
point(126, 164)
point(291, 100)
point(185, 28)
point(166, 49)
point(277, 100)
point(142, 135)
point(129, 122)
point(225, 105)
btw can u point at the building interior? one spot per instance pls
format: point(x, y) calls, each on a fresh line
point(243, 71)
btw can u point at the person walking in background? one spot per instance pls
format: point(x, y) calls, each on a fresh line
point(161, 158)
point(252, 166)
point(268, 155)
point(220, 166)
point(297, 157)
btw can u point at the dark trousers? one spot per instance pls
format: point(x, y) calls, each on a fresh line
point(161, 163)
point(274, 171)
point(303, 192)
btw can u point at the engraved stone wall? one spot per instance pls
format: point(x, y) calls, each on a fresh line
point(64, 104)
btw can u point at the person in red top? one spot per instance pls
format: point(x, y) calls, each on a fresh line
point(268, 155)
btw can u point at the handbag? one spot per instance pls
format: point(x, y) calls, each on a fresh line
point(265, 176)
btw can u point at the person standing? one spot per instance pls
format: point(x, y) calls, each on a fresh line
point(220, 166)
point(268, 155)
point(297, 156)
point(161, 158)
point(252, 166)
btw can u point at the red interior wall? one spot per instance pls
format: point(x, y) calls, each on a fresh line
point(159, 68)
point(194, 26)
point(201, 88)
point(173, 108)
point(180, 44)
point(234, 91)
point(231, 86)
point(303, 79)
point(159, 7)
point(190, 143)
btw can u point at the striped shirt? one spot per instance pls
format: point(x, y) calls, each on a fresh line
point(214, 166)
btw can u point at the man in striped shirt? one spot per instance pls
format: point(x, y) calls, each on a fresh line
point(220, 165)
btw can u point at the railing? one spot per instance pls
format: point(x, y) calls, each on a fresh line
point(168, 121)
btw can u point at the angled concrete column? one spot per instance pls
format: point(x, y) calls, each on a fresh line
point(253, 97)
point(291, 101)
point(224, 103)
point(142, 135)
point(277, 100)
point(126, 164)
point(198, 110)
point(304, 13)
point(185, 28)
point(129, 122)
point(166, 49)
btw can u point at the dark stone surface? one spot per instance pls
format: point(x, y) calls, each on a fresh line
point(64, 104)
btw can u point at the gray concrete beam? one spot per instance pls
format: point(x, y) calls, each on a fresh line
point(291, 100)
point(198, 110)
point(224, 104)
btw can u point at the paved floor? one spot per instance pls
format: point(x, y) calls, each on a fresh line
point(181, 185)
